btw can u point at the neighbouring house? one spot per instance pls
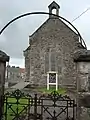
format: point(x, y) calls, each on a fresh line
point(56, 48)
point(14, 75)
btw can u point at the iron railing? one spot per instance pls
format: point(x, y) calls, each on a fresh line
point(53, 106)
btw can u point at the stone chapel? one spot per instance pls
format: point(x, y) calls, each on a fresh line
point(55, 49)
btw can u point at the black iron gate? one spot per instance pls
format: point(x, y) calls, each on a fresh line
point(54, 106)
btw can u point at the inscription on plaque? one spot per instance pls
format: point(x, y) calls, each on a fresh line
point(52, 77)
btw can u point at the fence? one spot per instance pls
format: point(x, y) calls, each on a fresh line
point(54, 106)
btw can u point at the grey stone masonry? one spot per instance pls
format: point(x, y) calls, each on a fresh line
point(52, 48)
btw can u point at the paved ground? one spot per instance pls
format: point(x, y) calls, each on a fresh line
point(20, 85)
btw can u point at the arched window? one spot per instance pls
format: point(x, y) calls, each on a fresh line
point(50, 61)
point(53, 61)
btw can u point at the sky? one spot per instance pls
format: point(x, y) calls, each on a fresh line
point(15, 39)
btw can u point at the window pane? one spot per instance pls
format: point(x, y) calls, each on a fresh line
point(59, 69)
point(52, 61)
point(59, 62)
point(46, 62)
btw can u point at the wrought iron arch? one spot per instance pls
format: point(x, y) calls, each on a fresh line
point(43, 13)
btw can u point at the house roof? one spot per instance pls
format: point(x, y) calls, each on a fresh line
point(53, 4)
point(22, 70)
point(16, 69)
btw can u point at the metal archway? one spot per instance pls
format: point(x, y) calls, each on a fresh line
point(34, 13)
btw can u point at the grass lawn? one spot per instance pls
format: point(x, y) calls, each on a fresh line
point(14, 106)
point(51, 89)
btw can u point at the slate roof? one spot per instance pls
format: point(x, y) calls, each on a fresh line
point(54, 3)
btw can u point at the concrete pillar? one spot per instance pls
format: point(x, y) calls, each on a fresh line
point(3, 59)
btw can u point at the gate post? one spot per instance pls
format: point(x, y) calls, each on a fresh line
point(35, 107)
point(3, 59)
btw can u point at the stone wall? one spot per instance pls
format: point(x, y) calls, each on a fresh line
point(83, 106)
point(83, 95)
point(52, 37)
point(83, 76)
point(27, 64)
